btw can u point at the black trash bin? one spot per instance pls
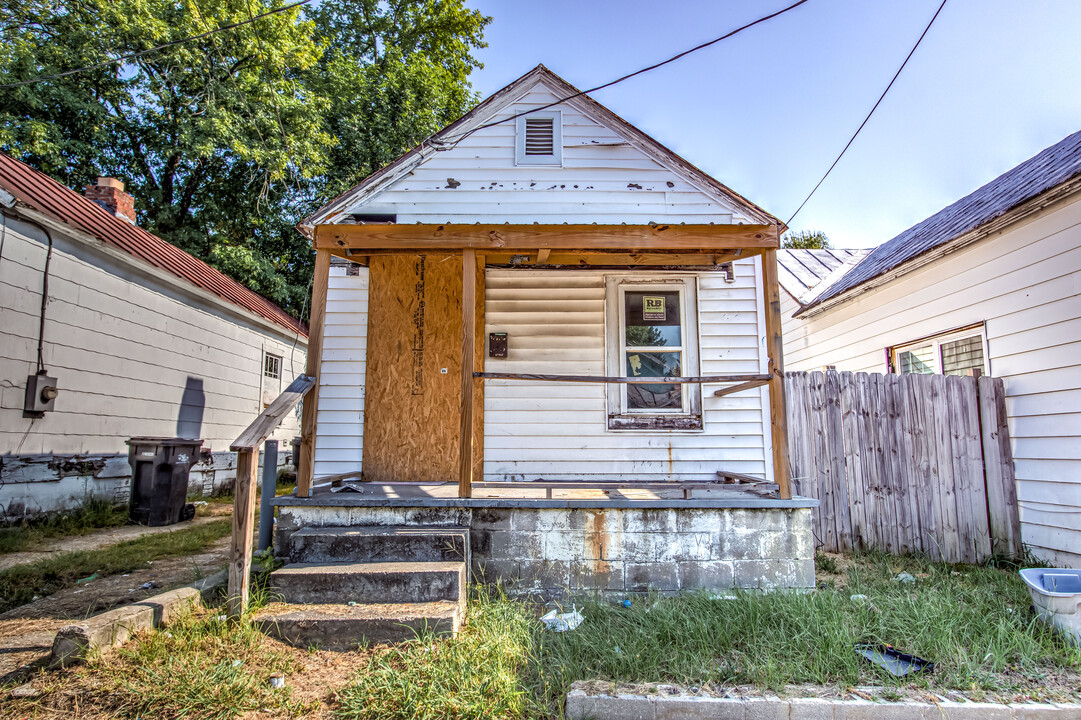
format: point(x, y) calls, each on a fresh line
point(159, 479)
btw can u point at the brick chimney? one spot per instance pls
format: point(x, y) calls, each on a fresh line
point(109, 193)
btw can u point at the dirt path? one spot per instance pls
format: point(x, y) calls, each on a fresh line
point(109, 536)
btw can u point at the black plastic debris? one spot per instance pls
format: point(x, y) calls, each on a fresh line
point(893, 660)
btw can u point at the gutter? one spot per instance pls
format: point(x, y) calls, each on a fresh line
point(1018, 213)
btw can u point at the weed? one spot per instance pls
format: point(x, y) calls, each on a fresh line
point(93, 514)
point(826, 563)
point(19, 584)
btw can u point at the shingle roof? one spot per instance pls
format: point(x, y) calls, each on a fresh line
point(1052, 167)
point(46, 195)
point(801, 270)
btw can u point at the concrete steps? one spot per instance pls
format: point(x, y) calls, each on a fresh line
point(344, 627)
point(379, 544)
point(401, 580)
point(379, 582)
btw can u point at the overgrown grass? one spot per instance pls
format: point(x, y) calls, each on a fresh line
point(94, 514)
point(975, 623)
point(18, 585)
point(197, 667)
point(485, 672)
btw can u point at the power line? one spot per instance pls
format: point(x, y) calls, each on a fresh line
point(134, 55)
point(463, 136)
point(880, 98)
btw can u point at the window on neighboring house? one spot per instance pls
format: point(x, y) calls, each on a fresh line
point(539, 139)
point(955, 353)
point(652, 332)
point(272, 373)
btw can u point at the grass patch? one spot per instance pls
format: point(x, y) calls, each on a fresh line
point(18, 585)
point(974, 622)
point(487, 671)
point(196, 667)
point(94, 514)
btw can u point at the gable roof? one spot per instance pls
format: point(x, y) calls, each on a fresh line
point(1051, 168)
point(800, 271)
point(46, 195)
point(540, 75)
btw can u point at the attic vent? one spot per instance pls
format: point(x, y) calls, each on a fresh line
point(539, 139)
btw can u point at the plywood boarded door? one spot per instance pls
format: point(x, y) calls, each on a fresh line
point(413, 381)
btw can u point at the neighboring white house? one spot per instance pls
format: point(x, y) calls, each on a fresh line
point(554, 311)
point(142, 339)
point(990, 284)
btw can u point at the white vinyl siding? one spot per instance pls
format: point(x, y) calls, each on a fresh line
point(601, 180)
point(555, 323)
point(124, 348)
point(339, 443)
point(1024, 283)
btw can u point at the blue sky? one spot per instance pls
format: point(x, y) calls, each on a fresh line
point(766, 112)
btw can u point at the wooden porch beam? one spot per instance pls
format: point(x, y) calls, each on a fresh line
point(775, 353)
point(551, 237)
point(469, 332)
point(306, 470)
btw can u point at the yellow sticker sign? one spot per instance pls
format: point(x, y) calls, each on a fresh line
point(653, 307)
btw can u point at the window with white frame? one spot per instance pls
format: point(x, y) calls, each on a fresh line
point(539, 138)
point(653, 333)
point(962, 352)
point(272, 373)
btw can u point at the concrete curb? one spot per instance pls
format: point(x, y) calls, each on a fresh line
point(672, 703)
point(109, 630)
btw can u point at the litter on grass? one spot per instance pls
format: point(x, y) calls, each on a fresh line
point(905, 578)
point(85, 580)
point(562, 622)
point(893, 660)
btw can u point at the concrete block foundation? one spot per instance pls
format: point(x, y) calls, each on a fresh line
point(551, 548)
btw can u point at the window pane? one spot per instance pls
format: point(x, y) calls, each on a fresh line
point(960, 356)
point(919, 361)
point(652, 319)
point(659, 395)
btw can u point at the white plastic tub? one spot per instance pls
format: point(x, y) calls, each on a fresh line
point(1057, 597)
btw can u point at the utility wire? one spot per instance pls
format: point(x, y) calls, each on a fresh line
point(438, 144)
point(134, 55)
point(879, 102)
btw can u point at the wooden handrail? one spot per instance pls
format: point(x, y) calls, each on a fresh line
point(269, 419)
point(247, 463)
point(694, 379)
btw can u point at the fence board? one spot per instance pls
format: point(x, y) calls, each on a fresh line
point(905, 463)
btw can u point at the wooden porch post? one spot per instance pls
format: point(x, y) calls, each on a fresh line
point(306, 471)
point(469, 333)
point(240, 548)
point(775, 353)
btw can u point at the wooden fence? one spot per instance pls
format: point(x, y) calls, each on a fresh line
point(905, 463)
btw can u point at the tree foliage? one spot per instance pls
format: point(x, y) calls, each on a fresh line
point(227, 141)
point(805, 240)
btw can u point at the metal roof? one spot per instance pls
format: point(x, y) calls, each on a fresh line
point(46, 195)
point(1052, 167)
point(801, 270)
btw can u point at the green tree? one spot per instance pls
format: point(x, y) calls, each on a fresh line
point(227, 141)
point(805, 240)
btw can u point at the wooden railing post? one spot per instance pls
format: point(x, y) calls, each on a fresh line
point(775, 353)
point(469, 331)
point(247, 462)
point(246, 448)
point(306, 470)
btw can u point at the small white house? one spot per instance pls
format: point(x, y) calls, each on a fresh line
point(141, 338)
point(990, 285)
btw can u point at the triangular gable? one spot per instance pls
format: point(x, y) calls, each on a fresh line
point(611, 173)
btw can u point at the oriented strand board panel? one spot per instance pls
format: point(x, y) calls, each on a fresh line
point(413, 381)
